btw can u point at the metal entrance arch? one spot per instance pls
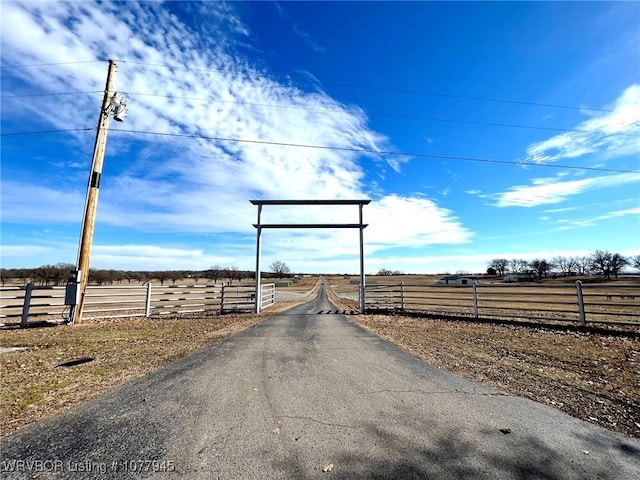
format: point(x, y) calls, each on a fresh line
point(259, 226)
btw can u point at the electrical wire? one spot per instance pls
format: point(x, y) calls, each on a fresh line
point(51, 64)
point(383, 89)
point(42, 132)
point(387, 115)
point(370, 114)
point(376, 152)
point(53, 94)
point(342, 149)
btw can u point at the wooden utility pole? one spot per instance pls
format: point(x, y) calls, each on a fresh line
point(91, 202)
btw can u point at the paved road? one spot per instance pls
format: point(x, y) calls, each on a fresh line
point(304, 390)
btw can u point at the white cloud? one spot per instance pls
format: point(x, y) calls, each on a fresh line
point(550, 190)
point(612, 134)
point(23, 250)
point(180, 185)
point(569, 224)
point(413, 222)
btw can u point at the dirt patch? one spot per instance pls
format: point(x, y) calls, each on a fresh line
point(50, 372)
point(592, 376)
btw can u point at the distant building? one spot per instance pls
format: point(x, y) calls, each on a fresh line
point(520, 277)
point(455, 280)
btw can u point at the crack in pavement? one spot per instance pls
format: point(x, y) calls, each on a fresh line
point(438, 392)
point(319, 421)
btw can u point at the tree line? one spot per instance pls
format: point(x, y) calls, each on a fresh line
point(58, 274)
point(600, 262)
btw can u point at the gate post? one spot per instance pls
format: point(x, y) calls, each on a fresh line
point(147, 305)
point(581, 312)
point(222, 300)
point(402, 296)
point(474, 284)
point(25, 306)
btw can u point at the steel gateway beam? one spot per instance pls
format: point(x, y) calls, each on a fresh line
point(259, 226)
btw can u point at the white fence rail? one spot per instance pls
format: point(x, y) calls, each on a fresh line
point(37, 303)
point(584, 303)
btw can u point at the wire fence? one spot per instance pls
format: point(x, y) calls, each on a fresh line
point(22, 305)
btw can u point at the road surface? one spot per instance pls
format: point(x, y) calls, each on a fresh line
point(306, 391)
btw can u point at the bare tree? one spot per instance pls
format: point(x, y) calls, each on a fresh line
point(232, 273)
point(279, 268)
point(384, 272)
point(582, 264)
point(606, 263)
point(214, 273)
point(500, 265)
point(564, 265)
point(518, 266)
point(175, 275)
point(541, 267)
point(617, 263)
point(635, 262)
point(162, 276)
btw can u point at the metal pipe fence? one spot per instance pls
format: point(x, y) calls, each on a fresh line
point(613, 303)
point(46, 303)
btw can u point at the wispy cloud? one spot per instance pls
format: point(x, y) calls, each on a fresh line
point(178, 185)
point(550, 190)
point(568, 224)
point(303, 35)
point(612, 134)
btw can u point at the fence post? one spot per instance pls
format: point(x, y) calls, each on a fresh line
point(582, 313)
point(25, 306)
point(474, 284)
point(147, 305)
point(222, 300)
point(402, 296)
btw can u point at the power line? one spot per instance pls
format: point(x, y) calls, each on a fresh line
point(384, 89)
point(343, 149)
point(375, 152)
point(371, 114)
point(50, 64)
point(52, 94)
point(387, 115)
point(42, 132)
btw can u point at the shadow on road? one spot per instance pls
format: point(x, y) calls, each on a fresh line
point(452, 456)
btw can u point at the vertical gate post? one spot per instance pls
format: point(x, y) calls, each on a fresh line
point(581, 312)
point(401, 295)
point(25, 306)
point(363, 290)
point(258, 298)
point(222, 300)
point(474, 284)
point(147, 305)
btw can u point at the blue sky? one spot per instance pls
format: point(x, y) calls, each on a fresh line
point(405, 95)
